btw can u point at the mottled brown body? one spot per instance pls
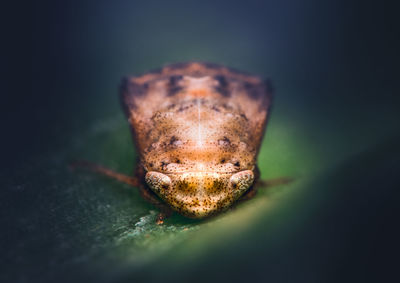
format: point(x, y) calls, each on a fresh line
point(198, 129)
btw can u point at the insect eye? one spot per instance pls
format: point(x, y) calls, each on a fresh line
point(236, 164)
point(223, 160)
point(157, 181)
point(242, 181)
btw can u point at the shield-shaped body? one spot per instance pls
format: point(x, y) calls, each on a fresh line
point(198, 129)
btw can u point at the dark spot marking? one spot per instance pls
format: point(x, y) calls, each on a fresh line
point(173, 87)
point(172, 140)
point(223, 86)
point(237, 164)
point(244, 116)
point(164, 164)
point(223, 160)
point(215, 108)
point(225, 139)
point(182, 108)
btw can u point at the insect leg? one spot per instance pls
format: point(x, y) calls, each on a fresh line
point(105, 171)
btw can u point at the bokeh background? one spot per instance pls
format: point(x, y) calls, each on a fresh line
point(334, 127)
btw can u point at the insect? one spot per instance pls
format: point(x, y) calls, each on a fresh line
point(197, 128)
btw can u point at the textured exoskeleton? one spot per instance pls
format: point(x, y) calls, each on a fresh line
point(198, 129)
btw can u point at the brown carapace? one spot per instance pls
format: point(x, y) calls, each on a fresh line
point(197, 128)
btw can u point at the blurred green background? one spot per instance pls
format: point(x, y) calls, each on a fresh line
point(334, 127)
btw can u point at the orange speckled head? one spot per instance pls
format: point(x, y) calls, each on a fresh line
point(200, 194)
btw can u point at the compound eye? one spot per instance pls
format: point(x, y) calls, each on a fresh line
point(241, 181)
point(157, 181)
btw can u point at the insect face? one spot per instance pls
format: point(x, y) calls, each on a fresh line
point(200, 194)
